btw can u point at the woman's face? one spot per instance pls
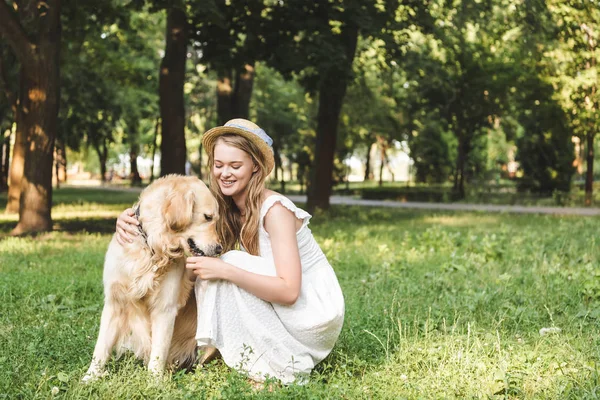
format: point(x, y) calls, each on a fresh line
point(232, 168)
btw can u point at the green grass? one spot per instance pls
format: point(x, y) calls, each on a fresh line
point(438, 305)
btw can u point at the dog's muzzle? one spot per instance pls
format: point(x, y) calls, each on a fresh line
point(194, 249)
point(216, 250)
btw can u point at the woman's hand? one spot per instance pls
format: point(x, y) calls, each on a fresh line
point(127, 227)
point(208, 268)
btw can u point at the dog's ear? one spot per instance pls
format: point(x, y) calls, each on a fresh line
point(179, 209)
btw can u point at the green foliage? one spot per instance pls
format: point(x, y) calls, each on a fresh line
point(462, 84)
point(281, 108)
point(574, 59)
point(433, 149)
point(545, 150)
point(109, 75)
point(438, 305)
point(228, 34)
point(456, 77)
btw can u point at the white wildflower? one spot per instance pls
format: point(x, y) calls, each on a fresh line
point(55, 390)
point(549, 331)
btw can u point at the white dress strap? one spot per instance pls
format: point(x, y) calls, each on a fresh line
point(287, 203)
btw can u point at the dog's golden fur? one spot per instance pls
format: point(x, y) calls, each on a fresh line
point(149, 305)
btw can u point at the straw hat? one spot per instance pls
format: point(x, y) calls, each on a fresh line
point(247, 129)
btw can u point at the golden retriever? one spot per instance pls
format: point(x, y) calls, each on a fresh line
point(149, 304)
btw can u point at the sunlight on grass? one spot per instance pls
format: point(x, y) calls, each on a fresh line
point(463, 220)
point(438, 305)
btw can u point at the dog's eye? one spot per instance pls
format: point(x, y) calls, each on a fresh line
point(208, 217)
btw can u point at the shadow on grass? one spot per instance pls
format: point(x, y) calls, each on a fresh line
point(75, 196)
point(77, 225)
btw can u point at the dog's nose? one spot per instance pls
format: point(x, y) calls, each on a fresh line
point(218, 249)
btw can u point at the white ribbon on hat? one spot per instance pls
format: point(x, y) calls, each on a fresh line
point(258, 132)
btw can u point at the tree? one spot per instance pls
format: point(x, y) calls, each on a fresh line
point(432, 148)
point(172, 77)
point(280, 108)
point(576, 59)
point(228, 37)
point(318, 41)
point(544, 147)
point(371, 113)
point(458, 72)
point(108, 77)
point(545, 151)
point(33, 31)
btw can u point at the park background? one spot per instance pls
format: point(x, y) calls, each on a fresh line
point(490, 101)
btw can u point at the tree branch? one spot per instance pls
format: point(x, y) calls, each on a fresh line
point(13, 32)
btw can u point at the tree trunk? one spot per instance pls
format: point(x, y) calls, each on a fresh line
point(156, 130)
point(56, 168)
point(282, 181)
point(37, 109)
point(64, 165)
point(277, 158)
point(102, 152)
point(368, 163)
point(389, 167)
point(172, 109)
point(5, 158)
point(224, 96)
point(103, 159)
point(18, 159)
point(348, 170)
point(589, 175)
point(332, 90)
point(242, 94)
point(459, 183)
point(60, 160)
point(40, 124)
point(136, 179)
point(233, 96)
point(382, 156)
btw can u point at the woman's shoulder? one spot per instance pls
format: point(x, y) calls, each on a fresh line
point(268, 193)
point(273, 199)
point(276, 205)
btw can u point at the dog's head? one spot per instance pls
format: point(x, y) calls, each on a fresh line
point(178, 214)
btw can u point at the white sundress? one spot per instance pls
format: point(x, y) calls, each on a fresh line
point(264, 339)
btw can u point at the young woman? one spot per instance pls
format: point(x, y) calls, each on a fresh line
point(274, 307)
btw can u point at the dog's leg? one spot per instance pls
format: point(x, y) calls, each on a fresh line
point(162, 316)
point(109, 331)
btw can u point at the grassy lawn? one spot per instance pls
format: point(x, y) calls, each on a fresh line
point(438, 305)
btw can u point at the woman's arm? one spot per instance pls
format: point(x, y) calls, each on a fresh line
point(284, 288)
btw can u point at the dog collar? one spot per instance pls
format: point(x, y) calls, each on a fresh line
point(141, 229)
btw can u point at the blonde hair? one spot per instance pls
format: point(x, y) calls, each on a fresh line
point(230, 229)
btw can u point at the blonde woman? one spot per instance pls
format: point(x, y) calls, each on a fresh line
point(271, 304)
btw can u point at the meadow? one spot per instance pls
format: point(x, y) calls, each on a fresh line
point(438, 305)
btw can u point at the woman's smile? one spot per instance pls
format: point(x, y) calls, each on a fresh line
point(227, 183)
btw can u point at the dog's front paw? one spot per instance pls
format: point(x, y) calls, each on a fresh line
point(156, 367)
point(92, 375)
